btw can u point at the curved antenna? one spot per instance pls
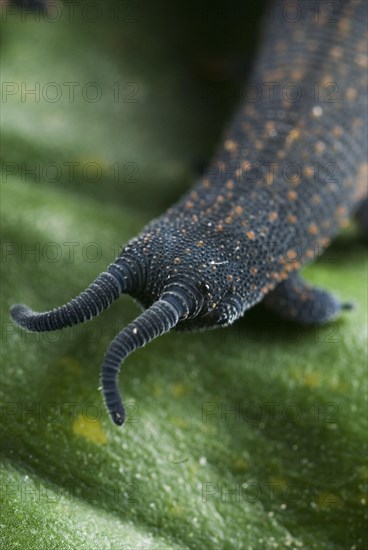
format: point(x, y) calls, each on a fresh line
point(98, 296)
point(162, 316)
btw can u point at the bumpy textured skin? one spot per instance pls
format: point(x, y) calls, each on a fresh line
point(289, 173)
point(242, 237)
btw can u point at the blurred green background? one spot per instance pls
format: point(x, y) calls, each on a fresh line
point(248, 437)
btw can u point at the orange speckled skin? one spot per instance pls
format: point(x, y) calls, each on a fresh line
point(290, 171)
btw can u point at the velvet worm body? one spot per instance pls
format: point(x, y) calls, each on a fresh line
point(289, 173)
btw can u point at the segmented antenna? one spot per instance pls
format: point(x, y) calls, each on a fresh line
point(98, 296)
point(161, 317)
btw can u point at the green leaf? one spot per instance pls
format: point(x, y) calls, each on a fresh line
point(247, 437)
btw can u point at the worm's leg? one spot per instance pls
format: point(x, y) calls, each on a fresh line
point(296, 300)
